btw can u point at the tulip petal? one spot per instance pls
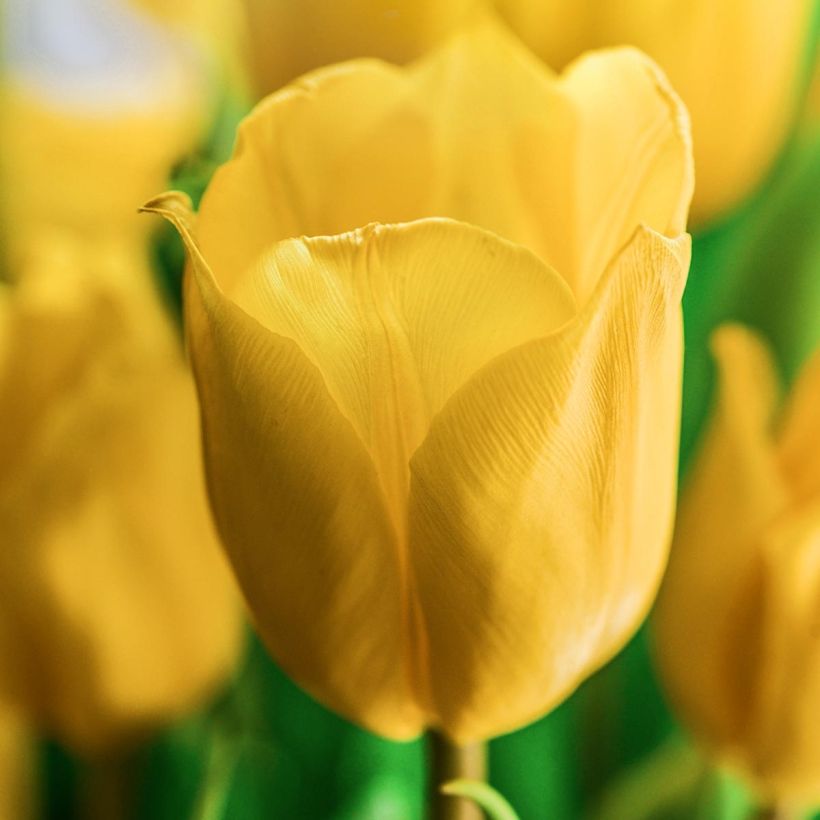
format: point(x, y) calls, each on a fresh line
point(568, 166)
point(799, 440)
point(707, 618)
point(783, 744)
point(543, 496)
point(478, 131)
point(298, 503)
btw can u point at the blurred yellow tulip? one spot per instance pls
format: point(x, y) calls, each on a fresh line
point(738, 617)
point(117, 610)
point(444, 472)
point(735, 63)
point(98, 103)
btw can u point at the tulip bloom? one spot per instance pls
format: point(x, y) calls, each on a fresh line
point(117, 612)
point(738, 615)
point(741, 105)
point(443, 466)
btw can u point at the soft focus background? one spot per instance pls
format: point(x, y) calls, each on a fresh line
point(114, 702)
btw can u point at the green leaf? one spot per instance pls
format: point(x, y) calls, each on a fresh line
point(484, 795)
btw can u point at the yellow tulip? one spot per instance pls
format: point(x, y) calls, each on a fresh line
point(443, 467)
point(734, 62)
point(738, 617)
point(92, 120)
point(117, 610)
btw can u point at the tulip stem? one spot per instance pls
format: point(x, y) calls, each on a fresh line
point(449, 761)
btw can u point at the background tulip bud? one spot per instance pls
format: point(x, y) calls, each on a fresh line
point(737, 619)
point(117, 608)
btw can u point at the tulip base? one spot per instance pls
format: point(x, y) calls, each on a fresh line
point(449, 761)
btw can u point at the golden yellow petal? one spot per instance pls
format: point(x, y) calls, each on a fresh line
point(714, 52)
point(478, 131)
point(113, 583)
point(799, 438)
point(542, 499)
point(298, 502)
point(342, 148)
point(707, 622)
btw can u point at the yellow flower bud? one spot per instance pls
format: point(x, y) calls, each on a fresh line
point(739, 615)
point(117, 612)
point(444, 466)
point(734, 62)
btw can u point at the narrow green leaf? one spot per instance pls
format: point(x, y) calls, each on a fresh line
point(484, 795)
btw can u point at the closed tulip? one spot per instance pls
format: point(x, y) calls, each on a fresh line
point(741, 104)
point(117, 610)
point(738, 617)
point(442, 462)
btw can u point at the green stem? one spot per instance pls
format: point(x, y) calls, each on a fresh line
point(449, 761)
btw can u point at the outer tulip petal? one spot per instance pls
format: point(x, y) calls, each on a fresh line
point(709, 602)
point(478, 131)
point(298, 502)
point(528, 497)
